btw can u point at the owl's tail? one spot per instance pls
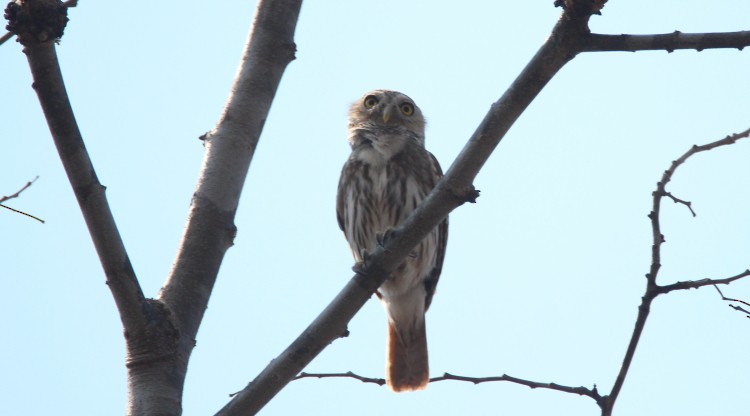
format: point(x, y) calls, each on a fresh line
point(407, 367)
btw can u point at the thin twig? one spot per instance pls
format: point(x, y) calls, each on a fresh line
point(15, 195)
point(22, 213)
point(668, 41)
point(736, 308)
point(695, 284)
point(18, 192)
point(348, 374)
point(681, 201)
point(582, 391)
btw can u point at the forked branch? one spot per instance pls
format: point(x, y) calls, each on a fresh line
point(652, 288)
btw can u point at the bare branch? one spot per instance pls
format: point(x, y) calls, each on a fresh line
point(680, 201)
point(668, 42)
point(18, 192)
point(695, 284)
point(581, 391)
point(15, 195)
point(50, 88)
point(22, 213)
point(652, 289)
point(348, 374)
point(736, 308)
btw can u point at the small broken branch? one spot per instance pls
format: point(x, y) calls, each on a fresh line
point(680, 201)
point(15, 195)
point(736, 308)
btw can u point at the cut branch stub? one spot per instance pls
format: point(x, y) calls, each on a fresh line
point(36, 21)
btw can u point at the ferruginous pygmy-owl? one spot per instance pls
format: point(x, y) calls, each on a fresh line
point(388, 174)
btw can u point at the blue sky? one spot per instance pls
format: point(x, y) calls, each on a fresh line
point(542, 277)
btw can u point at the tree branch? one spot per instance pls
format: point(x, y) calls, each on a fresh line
point(210, 228)
point(676, 200)
point(695, 284)
point(736, 308)
point(667, 41)
point(652, 289)
point(581, 391)
point(38, 26)
point(454, 189)
point(18, 192)
point(8, 35)
point(348, 374)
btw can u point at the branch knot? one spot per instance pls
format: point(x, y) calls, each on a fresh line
point(36, 21)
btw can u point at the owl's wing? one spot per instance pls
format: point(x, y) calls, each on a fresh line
point(432, 279)
point(344, 182)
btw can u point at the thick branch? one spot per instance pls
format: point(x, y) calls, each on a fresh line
point(210, 228)
point(667, 42)
point(8, 35)
point(453, 190)
point(50, 88)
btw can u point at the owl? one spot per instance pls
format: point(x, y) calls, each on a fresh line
point(388, 174)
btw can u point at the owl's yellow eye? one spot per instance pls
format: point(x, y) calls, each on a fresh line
point(407, 109)
point(371, 101)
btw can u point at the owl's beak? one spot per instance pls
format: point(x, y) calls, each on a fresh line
point(387, 113)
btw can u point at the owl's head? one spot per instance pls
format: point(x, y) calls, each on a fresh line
point(384, 108)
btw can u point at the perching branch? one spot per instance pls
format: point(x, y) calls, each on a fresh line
point(15, 195)
point(452, 191)
point(667, 42)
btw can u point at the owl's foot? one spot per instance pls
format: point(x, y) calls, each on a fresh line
point(361, 265)
point(382, 238)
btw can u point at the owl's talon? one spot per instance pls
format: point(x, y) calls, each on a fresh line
point(361, 265)
point(382, 238)
point(358, 267)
